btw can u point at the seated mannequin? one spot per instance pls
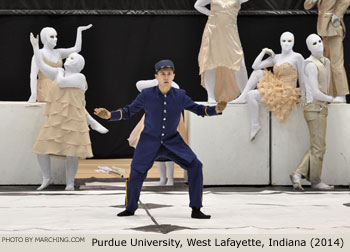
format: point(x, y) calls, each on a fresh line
point(287, 67)
point(40, 84)
point(65, 132)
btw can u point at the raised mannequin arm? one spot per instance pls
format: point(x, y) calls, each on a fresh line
point(76, 80)
point(200, 6)
point(311, 73)
point(34, 70)
point(309, 4)
point(49, 71)
point(261, 64)
point(65, 52)
point(143, 84)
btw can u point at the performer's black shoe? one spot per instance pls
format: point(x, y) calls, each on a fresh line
point(197, 214)
point(125, 213)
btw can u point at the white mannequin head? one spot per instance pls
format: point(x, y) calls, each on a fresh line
point(48, 37)
point(74, 63)
point(315, 45)
point(287, 42)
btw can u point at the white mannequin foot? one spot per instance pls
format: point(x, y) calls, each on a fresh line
point(32, 99)
point(161, 182)
point(99, 128)
point(45, 184)
point(170, 182)
point(240, 100)
point(296, 181)
point(69, 188)
point(321, 186)
point(254, 131)
point(340, 99)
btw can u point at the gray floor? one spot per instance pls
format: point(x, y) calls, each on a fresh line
point(235, 210)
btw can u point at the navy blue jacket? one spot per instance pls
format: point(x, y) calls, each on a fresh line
point(162, 116)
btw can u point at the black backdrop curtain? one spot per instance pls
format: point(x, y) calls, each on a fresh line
point(121, 49)
point(139, 4)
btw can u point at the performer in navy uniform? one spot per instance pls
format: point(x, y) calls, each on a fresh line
point(160, 139)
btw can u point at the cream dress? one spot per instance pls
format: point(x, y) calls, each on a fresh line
point(221, 48)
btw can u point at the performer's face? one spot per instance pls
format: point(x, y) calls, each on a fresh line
point(287, 41)
point(49, 37)
point(315, 45)
point(165, 77)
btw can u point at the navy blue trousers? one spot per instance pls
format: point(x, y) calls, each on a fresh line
point(138, 175)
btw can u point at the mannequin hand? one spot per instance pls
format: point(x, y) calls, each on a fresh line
point(269, 52)
point(103, 113)
point(314, 1)
point(302, 101)
point(84, 28)
point(335, 21)
point(221, 104)
point(338, 99)
point(34, 40)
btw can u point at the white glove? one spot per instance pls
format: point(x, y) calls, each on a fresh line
point(335, 21)
point(269, 52)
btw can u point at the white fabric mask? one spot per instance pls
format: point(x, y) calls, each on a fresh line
point(48, 37)
point(287, 41)
point(315, 45)
point(74, 63)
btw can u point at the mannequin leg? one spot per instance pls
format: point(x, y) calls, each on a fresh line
point(32, 97)
point(170, 169)
point(242, 76)
point(209, 81)
point(45, 165)
point(71, 170)
point(251, 84)
point(253, 98)
point(162, 172)
point(95, 125)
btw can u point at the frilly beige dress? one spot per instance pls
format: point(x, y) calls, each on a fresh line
point(221, 47)
point(279, 90)
point(65, 132)
point(44, 84)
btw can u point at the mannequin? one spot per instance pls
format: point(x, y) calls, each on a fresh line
point(40, 88)
point(164, 167)
point(288, 68)
point(331, 27)
point(65, 132)
point(221, 59)
point(318, 76)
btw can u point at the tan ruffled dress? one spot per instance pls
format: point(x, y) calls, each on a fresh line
point(65, 132)
point(221, 48)
point(44, 83)
point(279, 90)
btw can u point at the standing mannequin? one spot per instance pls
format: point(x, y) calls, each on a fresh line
point(318, 75)
point(288, 68)
point(164, 167)
point(221, 59)
point(65, 132)
point(40, 87)
point(331, 27)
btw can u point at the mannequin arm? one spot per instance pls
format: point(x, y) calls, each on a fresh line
point(49, 71)
point(300, 66)
point(261, 64)
point(309, 4)
point(76, 80)
point(64, 52)
point(142, 84)
point(311, 72)
point(34, 70)
point(200, 6)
